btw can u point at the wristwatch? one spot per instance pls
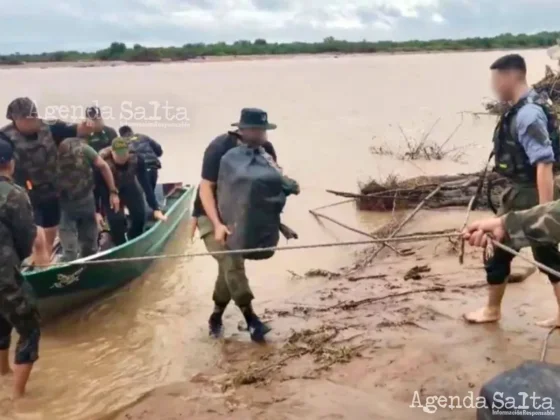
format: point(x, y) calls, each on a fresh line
point(116, 192)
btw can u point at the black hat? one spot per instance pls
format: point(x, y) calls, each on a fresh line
point(254, 118)
point(125, 130)
point(93, 112)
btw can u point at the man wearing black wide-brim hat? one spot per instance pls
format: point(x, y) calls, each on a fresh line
point(232, 283)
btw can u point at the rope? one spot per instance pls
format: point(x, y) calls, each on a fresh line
point(403, 239)
point(395, 239)
point(545, 344)
point(537, 264)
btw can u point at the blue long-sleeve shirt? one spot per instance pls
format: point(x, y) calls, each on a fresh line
point(531, 125)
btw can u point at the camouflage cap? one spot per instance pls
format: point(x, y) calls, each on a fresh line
point(119, 145)
point(21, 108)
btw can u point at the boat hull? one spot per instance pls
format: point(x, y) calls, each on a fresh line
point(65, 287)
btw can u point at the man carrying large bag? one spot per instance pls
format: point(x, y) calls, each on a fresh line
point(226, 150)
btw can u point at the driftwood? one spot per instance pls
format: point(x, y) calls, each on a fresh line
point(462, 251)
point(545, 343)
point(405, 221)
point(455, 191)
point(350, 228)
point(354, 304)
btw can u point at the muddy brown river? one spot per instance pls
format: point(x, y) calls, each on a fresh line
point(329, 112)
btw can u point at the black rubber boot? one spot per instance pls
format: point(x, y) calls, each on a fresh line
point(215, 324)
point(257, 328)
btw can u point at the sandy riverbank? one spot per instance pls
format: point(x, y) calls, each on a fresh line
point(230, 58)
point(357, 349)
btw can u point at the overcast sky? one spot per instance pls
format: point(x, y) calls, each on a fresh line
point(47, 25)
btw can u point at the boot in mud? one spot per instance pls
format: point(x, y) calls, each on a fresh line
point(257, 328)
point(215, 323)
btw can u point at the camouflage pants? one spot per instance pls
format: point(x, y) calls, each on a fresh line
point(231, 283)
point(78, 229)
point(498, 267)
point(17, 310)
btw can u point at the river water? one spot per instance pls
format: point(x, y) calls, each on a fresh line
point(329, 112)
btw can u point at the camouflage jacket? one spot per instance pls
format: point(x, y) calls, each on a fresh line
point(123, 174)
point(539, 225)
point(74, 174)
point(35, 161)
point(17, 227)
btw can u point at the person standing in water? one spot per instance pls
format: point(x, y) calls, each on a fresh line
point(526, 151)
point(35, 143)
point(17, 309)
point(538, 226)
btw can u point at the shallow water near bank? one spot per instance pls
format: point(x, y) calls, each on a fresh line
point(328, 111)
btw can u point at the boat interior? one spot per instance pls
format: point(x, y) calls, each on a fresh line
point(166, 194)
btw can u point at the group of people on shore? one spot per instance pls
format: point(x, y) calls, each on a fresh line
point(526, 150)
point(61, 179)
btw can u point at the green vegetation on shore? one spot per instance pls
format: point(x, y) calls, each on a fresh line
point(120, 52)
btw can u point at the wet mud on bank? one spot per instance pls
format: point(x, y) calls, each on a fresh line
point(362, 346)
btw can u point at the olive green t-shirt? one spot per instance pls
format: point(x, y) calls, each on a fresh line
point(90, 154)
point(102, 139)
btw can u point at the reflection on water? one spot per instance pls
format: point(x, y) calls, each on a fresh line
point(328, 112)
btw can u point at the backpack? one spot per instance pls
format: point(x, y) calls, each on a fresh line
point(251, 196)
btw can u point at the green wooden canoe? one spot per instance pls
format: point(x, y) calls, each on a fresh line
point(64, 287)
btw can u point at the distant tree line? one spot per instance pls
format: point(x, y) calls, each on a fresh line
point(118, 51)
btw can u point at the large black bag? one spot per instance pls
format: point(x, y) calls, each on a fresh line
point(251, 198)
point(509, 395)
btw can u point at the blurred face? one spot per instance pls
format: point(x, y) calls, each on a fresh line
point(8, 168)
point(253, 136)
point(120, 157)
point(97, 124)
point(504, 83)
point(28, 125)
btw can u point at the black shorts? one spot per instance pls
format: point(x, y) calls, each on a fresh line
point(47, 213)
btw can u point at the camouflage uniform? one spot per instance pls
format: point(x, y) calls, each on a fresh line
point(512, 162)
point(75, 183)
point(35, 162)
point(17, 309)
point(537, 226)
